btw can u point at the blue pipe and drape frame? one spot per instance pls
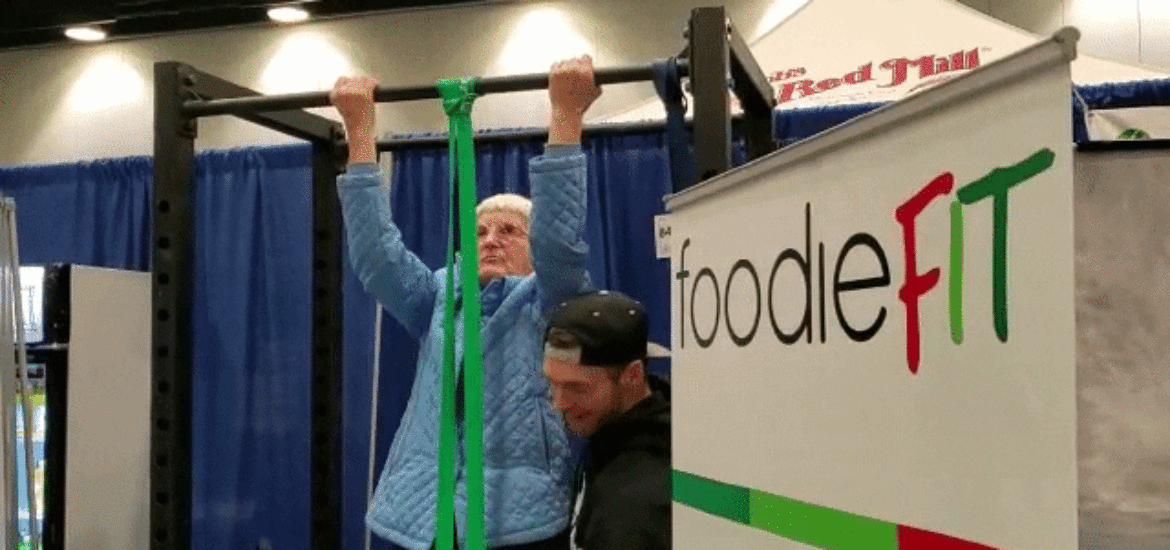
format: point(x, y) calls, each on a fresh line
point(252, 291)
point(252, 301)
point(250, 320)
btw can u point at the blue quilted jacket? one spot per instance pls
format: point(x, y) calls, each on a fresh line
point(527, 470)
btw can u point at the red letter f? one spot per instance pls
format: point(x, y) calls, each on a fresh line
point(917, 284)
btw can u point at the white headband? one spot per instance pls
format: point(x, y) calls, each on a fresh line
point(572, 355)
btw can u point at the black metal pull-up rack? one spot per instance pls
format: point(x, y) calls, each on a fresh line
point(717, 60)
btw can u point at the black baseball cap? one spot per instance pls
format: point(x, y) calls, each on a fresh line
point(610, 326)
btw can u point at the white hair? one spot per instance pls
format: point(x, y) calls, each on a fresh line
point(509, 202)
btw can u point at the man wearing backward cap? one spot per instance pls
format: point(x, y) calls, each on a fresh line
point(595, 363)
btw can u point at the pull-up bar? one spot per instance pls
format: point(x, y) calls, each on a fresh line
point(493, 85)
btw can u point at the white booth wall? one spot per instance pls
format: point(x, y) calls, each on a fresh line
point(76, 102)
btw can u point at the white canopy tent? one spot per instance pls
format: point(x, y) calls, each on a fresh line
point(851, 52)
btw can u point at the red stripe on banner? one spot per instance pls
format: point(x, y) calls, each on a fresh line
point(910, 538)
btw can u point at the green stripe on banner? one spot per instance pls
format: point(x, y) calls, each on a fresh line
point(819, 526)
point(715, 498)
point(792, 519)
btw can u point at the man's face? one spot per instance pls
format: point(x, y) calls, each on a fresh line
point(587, 397)
point(502, 241)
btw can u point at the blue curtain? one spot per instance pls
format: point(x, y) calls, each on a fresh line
point(250, 430)
point(1117, 95)
point(252, 302)
point(94, 213)
point(792, 125)
point(251, 309)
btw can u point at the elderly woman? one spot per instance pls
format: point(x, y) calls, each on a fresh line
point(532, 255)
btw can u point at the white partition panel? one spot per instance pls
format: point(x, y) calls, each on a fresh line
point(873, 330)
point(107, 469)
point(9, 265)
point(1123, 342)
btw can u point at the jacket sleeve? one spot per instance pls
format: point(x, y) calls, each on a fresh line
point(556, 236)
point(393, 274)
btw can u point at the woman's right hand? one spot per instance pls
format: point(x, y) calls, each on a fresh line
point(354, 99)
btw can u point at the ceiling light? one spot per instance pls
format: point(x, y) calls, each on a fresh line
point(86, 34)
point(288, 14)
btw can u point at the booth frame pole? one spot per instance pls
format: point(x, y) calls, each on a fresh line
point(325, 409)
point(720, 60)
point(404, 141)
point(755, 94)
point(171, 286)
point(710, 70)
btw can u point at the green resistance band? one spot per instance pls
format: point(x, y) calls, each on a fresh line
point(458, 95)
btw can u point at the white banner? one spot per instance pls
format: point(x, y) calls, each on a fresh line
point(873, 330)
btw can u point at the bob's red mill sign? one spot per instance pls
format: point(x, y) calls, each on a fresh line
point(892, 73)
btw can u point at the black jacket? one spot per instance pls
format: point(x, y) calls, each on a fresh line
point(627, 500)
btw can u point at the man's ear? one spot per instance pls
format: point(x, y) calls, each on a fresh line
point(634, 373)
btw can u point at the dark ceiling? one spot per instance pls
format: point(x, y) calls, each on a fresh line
point(40, 22)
